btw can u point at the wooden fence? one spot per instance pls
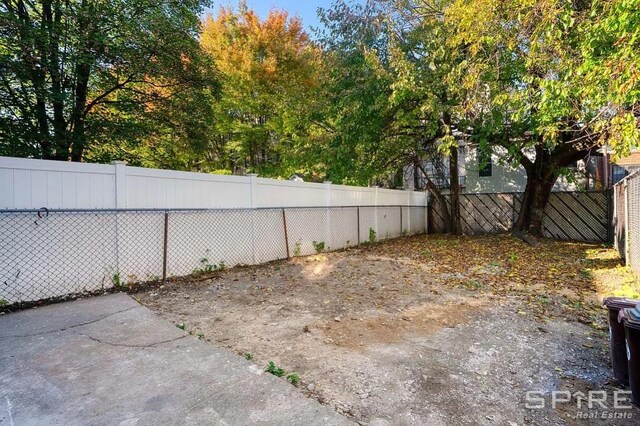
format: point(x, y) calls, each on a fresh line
point(578, 216)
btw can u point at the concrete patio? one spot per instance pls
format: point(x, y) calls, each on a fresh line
point(109, 361)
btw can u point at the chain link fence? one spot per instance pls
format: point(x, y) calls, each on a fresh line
point(49, 254)
point(626, 220)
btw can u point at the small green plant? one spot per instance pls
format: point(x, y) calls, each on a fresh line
point(181, 326)
point(425, 252)
point(248, 356)
point(293, 378)
point(200, 336)
point(206, 267)
point(318, 246)
point(3, 303)
point(117, 281)
point(276, 371)
point(405, 232)
point(297, 249)
point(372, 236)
point(513, 257)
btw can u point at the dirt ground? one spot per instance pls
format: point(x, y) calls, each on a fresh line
point(423, 330)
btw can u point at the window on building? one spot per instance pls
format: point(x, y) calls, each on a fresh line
point(485, 166)
point(618, 173)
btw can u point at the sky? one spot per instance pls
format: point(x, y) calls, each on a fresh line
point(305, 9)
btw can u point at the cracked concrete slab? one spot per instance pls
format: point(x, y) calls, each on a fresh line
point(108, 360)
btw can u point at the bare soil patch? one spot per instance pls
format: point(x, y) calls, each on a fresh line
point(423, 330)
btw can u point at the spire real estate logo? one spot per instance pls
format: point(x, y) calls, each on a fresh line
point(590, 405)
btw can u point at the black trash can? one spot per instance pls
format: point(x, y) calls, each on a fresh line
point(617, 336)
point(632, 331)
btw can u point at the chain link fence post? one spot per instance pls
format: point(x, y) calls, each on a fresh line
point(286, 232)
point(358, 224)
point(626, 220)
point(165, 247)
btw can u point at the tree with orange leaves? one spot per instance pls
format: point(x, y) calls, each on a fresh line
point(270, 73)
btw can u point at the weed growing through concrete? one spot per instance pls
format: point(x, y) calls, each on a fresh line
point(276, 371)
point(293, 378)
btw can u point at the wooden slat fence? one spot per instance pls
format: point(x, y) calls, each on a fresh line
point(578, 216)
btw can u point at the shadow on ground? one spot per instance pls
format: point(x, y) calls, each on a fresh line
point(423, 330)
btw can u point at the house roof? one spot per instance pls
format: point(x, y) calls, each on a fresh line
point(631, 160)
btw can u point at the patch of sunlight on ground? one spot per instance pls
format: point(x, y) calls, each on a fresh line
point(610, 275)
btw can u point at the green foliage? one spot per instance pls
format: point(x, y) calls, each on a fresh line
point(207, 267)
point(248, 356)
point(372, 236)
point(117, 281)
point(293, 378)
point(386, 86)
point(610, 70)
point(181, 326)
point(100, 78)
point(3, 303)
point(271, 368)
point(319, 246)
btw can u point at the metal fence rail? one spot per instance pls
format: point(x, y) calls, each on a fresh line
point(55, 253)
point(579, 216)
point(618, 220)
point(627, 220)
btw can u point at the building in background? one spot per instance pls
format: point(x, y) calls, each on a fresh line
point(625, 166)
point(495, 174)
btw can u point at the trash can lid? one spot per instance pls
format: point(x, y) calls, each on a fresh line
point(620, 302)
point(632, 317)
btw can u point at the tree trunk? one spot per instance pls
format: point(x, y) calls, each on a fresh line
point(454, 181)
point(542, 175)
point(78, 136)
point(52, 18)
point(540, 181)
point(541, 198)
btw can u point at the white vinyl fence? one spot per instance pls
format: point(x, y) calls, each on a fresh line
point(69, 228)
point(32, 184)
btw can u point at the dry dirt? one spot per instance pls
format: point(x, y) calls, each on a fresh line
point(424, 330)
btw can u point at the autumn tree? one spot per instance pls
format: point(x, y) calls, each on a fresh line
point(269, 71)
point(549, 82)
point(76, 74)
